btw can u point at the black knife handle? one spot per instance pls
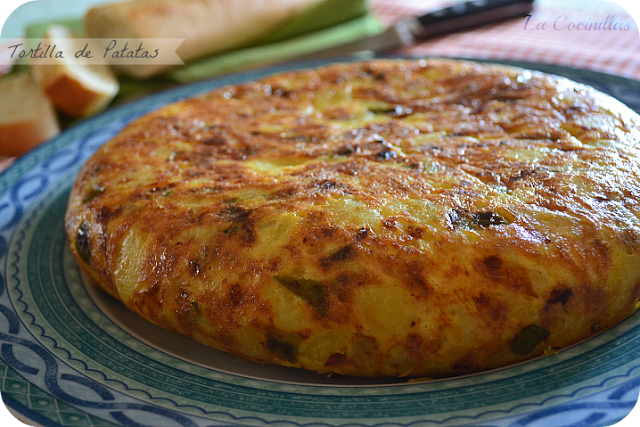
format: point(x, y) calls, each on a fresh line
point(469, 14)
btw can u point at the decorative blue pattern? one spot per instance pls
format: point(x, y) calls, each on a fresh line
point(33, 192)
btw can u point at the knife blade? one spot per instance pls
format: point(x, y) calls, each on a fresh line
point(406, 32)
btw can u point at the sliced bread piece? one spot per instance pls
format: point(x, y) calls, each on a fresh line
point(27, 116)
point(76, 89)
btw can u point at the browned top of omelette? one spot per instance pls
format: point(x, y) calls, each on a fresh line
point(423, 217)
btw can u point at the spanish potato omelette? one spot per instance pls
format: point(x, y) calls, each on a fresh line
point(379, 218)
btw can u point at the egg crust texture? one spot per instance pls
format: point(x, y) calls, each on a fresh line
point(381, 218)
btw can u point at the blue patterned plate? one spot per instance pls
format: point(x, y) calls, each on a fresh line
point(70, 355)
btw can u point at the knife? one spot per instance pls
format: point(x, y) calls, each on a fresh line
point(405, 32)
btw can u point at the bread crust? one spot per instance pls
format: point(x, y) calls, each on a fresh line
point(383, 218)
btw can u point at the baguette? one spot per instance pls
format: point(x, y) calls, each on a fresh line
point(208, 26)
point(75, 89)
point(27, 116)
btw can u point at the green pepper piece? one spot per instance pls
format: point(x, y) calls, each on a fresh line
point(309, 290)
point(282, 349)
point(527, 340)
point(93, 194)
point(82, 243)
point(231, 230)
point(397, 111)
point(486, 219)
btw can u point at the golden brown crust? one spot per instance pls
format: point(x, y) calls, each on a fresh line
point(423, 217)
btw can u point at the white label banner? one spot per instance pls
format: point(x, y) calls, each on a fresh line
point(89, 51)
